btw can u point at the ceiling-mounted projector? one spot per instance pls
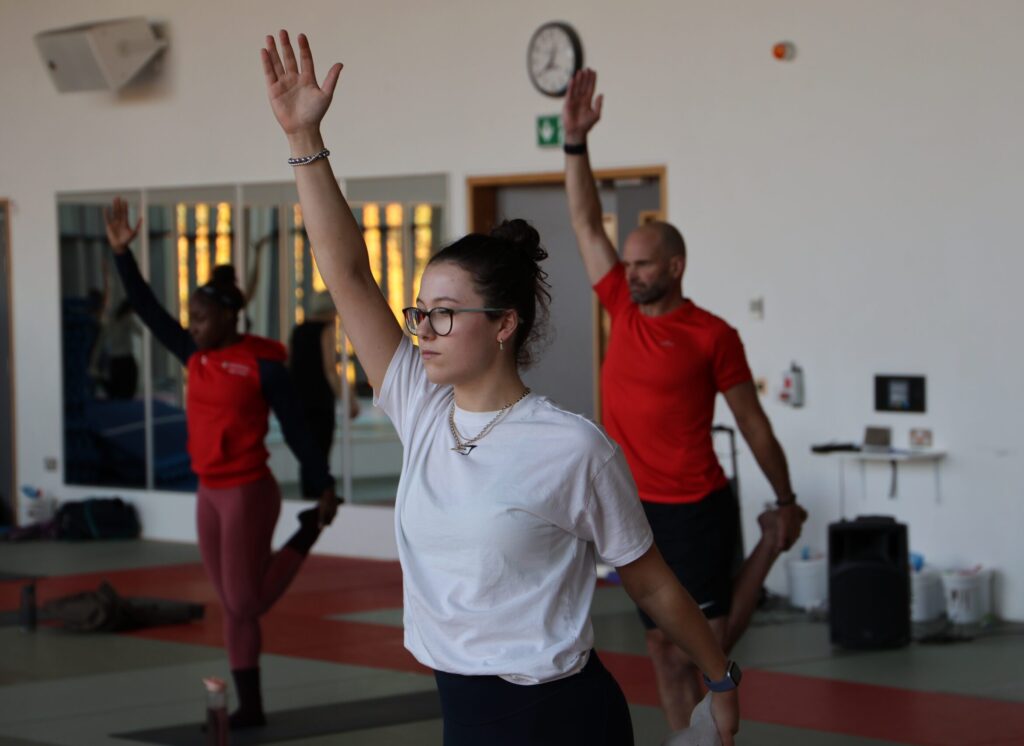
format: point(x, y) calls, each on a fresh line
point(104, 55)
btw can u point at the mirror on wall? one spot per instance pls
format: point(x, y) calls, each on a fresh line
point(102, 354)
point(124, 394)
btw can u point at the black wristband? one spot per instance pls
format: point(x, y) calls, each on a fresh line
point(786, 503)
point(575, 149)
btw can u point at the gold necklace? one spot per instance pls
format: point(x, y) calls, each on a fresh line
point(465, 447)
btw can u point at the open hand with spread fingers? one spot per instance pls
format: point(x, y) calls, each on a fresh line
point(120, 231)
point(298, 102)
point(581, 110)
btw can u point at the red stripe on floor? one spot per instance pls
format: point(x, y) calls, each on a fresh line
point(327, 586)
point(862, 710)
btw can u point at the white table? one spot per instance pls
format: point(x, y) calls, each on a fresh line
point(894, 458)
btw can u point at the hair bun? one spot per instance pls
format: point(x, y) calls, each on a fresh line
point(523, 236)
point(224, 274)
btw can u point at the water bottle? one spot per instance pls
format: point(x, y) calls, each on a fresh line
point(40, 507)
point(916, 561)
point(216, 711)
point(34, 495)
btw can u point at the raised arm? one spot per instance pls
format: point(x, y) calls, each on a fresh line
point(253, 281)
point(329, 357)
point(580, 113)
point(300, 104)
point(164, 327)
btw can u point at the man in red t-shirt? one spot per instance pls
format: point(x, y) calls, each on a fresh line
point(667, 361)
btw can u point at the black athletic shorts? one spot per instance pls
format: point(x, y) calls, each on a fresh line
point(698, 542)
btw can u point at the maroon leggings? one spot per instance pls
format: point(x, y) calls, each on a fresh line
point(235, 528)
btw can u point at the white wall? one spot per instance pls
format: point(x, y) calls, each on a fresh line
point(869, 190)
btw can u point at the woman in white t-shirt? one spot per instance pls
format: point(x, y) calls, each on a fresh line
point(505, 500)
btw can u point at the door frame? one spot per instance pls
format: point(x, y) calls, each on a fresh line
point(6, 263)
point(482, 191)
point(482, 215)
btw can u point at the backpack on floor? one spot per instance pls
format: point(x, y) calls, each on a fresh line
point(105, 610)
point(97, 518)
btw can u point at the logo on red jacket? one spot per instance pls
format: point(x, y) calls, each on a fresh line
point(236, 369)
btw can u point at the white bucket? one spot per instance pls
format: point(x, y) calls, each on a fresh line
point(965, 595)
point(808, 582)
point(927, 600)
point(986, 592)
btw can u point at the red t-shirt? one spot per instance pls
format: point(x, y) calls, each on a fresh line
point(227, 412)
point(659, 381)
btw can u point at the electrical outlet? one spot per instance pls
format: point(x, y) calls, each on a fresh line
point(50, 463)
point(757, 308)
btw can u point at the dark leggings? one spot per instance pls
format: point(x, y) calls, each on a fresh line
point(236, 525)
point(587, 708)
point(320, 423)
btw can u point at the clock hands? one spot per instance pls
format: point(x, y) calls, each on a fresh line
point(553, 55)
point(551, 60)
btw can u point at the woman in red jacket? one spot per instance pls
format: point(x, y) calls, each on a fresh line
point(234, 380)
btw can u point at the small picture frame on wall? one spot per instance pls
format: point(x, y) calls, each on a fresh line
point(899, 393)
point(920, 437)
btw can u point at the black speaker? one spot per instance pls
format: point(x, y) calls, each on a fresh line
point(98, 55)
point(869, 583)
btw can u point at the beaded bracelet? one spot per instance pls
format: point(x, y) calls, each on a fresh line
point(305, 160)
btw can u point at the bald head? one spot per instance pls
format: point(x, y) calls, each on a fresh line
point(670, 240)
point(654, 256)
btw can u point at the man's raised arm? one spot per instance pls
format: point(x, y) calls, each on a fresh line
point(579, 114)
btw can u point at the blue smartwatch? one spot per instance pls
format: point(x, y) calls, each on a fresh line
point(727, 683)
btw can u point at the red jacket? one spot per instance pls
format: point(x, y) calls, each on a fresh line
point(227, 411)
point(230, 394)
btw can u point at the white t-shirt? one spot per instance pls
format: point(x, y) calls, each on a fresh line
point(498, 547)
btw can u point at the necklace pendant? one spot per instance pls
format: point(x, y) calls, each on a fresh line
point(464, 450)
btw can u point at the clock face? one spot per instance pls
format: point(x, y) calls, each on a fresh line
point(553, 57)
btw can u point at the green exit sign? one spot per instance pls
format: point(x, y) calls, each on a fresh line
point(549, 131)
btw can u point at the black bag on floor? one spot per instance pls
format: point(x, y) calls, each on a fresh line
point(98, 518)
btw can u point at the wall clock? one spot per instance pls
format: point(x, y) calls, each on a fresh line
point(553, 57)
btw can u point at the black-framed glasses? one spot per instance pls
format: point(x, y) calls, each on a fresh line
point(440, 318)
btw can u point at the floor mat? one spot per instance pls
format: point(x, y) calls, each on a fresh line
point(307, 722)
point(6, 577)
